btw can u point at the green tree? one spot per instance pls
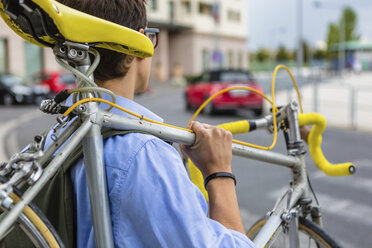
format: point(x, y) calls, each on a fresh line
point(349, 19)
point(306, 51)
point(320, 54)
point(263, 55)
point(333, 36)
point(282, 54)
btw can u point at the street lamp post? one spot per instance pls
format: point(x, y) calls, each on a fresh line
point(217, 56)
point(299, 39)
point(341, 47)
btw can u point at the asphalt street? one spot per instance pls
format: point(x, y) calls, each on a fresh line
point(346, 201)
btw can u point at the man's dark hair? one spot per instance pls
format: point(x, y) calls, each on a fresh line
point(128, 13)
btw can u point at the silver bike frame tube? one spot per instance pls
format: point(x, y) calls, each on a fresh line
point(96, 175)
point(59, 142)
point(293, 232)
point(299, 189)
point(48, 173)
point(183, 137)
point(268, 231)
point(265, 156)
point(96, 178)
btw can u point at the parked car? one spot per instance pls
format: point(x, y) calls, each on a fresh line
point(56, 81)
point(211, 82)
point(13, 90)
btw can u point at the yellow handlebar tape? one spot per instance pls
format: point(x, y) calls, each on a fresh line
point(315, 142)
point(236, 127)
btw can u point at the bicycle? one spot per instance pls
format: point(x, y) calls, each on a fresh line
point(84, 119)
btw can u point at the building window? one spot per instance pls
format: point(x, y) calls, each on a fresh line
point(205, 9)
point(153, 4)
point(186, 7)
point(34, 58)
point(171, 11)
point(205, 60)
point(240, 60)
point(230, 59)
point(3, 56)
point(233, 15)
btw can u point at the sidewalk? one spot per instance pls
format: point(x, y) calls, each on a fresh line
point(346, 102)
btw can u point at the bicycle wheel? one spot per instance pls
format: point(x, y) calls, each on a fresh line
point(310, 235)
point(32, 228)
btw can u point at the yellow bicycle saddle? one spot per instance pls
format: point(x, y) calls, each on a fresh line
point(45, 22)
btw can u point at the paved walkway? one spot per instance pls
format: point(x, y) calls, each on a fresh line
point(346, 102)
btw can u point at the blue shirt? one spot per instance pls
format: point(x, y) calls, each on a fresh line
point(153, 203)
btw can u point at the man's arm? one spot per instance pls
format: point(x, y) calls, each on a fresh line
point(211, 153)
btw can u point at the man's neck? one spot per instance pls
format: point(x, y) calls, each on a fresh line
point(123, 86)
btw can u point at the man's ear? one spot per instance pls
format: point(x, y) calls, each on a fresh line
point(128, 61)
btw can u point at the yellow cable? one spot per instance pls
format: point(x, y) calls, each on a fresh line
point(70, 109)
point(195, 174)
point(272, 102)
point(294, 83)
point(223, 91)
point(255, 91)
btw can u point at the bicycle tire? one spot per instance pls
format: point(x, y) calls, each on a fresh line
point(309, 233)
point(32, 228)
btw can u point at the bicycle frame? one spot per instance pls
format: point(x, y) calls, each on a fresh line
point(93, 119)
point(87, 129)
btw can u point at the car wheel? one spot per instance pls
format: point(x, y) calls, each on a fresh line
point(188, 106)
point(209, 109)
point(8, 99)
point(258, 112)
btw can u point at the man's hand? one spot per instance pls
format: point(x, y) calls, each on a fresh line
point(211, 151)
point(304, 132)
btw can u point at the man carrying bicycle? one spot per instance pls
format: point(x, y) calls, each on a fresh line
point(152, 201)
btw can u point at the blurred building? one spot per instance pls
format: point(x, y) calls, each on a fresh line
point(20, 57)
point(195, 35)
point(358, 55)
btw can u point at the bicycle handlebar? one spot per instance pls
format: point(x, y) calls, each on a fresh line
point(315, 142)
point(237, 127)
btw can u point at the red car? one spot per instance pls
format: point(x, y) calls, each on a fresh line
point(211, 82)
point(56, 80)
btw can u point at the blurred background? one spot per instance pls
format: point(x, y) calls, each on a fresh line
point(208, 45)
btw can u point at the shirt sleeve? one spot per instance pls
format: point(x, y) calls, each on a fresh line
point(156, 205)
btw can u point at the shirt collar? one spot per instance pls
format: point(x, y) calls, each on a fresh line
point(127, 104)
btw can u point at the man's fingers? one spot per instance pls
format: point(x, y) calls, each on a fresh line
point(207, 126)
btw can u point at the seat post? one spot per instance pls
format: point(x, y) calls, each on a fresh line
point(93, 151)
